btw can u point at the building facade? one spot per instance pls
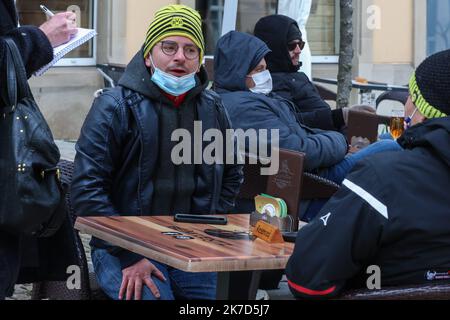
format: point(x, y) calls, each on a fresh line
point(390, 39)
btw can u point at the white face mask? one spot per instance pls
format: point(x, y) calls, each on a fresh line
point(263, 82)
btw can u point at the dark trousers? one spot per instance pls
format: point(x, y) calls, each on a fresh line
point(9, 264)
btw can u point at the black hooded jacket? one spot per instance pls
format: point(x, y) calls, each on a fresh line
point(393, 212)
point(291, 84)
point(120, 165)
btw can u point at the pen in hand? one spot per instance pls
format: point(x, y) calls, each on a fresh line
point(59, 28)
point(47, 12)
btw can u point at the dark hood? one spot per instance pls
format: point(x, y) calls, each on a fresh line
point(274, 30)
point(236, 55)
point(433, 134)
point(137, 77)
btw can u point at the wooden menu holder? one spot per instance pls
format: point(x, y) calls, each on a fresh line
point(267, 232)
point(284, 224)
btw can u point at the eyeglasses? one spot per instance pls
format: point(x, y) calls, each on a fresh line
point(170, 48)
point(293, 45)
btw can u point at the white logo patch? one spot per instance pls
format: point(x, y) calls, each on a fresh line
point(325, 219)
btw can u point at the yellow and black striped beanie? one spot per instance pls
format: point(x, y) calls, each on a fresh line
point(429, 86)
point(175, 20)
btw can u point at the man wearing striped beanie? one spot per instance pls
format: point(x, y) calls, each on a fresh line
point(128, 164)
point(174, 49)
point(389, 225)
point(429, 90)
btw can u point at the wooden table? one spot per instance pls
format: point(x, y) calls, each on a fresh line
point(187, 247)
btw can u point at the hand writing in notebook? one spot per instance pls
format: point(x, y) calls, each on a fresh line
point(60, 28)
point(82, 36)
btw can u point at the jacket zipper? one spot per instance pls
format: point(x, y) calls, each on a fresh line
point(177, 188)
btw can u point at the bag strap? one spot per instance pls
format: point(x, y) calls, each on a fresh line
point(17, 81)
point(11, 83)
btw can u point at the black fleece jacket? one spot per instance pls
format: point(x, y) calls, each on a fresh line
point(392, 212)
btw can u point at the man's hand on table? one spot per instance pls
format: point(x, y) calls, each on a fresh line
point(135, 276)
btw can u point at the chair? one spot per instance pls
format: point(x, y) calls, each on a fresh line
point(325, 94)
point(284, 184)
point(399, 96)
point(209, 66)
point(111, 73)
point(57, 290)
point(292, 185)
point(414, 292)
point(364, 125)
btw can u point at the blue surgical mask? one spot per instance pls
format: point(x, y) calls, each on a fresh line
point(171, 84)
point(263, 82)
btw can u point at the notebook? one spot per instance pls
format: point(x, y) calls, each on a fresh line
point(82, 36)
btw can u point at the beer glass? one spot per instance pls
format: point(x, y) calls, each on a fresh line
point(396, 126)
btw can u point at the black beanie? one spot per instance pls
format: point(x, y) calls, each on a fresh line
point(294, 33)
point(430, 86)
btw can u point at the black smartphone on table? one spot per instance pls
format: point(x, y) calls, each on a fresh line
point(202, 219)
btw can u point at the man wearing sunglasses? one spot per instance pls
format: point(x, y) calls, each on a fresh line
point(124, 163)
point(284, 38)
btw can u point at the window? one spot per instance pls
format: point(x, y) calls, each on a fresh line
point(323, 30)
point(322, 27)
point(212, 14)
point(438, 26)
point(31, 14)
point(248, 13)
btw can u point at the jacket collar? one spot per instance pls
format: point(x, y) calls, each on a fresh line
point(433, 134)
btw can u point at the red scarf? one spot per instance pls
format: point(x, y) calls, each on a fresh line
point(177, 101)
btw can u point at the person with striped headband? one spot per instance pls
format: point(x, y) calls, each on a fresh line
point(125, 164)
point(389, 224)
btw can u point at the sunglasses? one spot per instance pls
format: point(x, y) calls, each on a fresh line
point(293, 45)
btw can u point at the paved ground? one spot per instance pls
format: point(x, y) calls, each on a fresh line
point(23, 292)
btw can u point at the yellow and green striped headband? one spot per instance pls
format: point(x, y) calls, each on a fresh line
point(175, 20)
point(426, 109)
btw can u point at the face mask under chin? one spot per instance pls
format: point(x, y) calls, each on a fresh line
point(171, 84)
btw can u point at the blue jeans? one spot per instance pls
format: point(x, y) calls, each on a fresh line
point(179, 284)
point(338, 172)
point(386, 136)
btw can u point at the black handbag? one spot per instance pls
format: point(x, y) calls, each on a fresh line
point(31, 196)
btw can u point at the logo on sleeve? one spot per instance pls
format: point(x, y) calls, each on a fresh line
point(325, 219)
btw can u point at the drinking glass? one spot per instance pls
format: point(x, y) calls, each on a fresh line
point(396, 126)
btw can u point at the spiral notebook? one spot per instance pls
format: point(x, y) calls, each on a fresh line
point(82, 36)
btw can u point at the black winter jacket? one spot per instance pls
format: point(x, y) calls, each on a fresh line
point(313, 111)
point(291, 84)
point(393, 212)
point(117, 153)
